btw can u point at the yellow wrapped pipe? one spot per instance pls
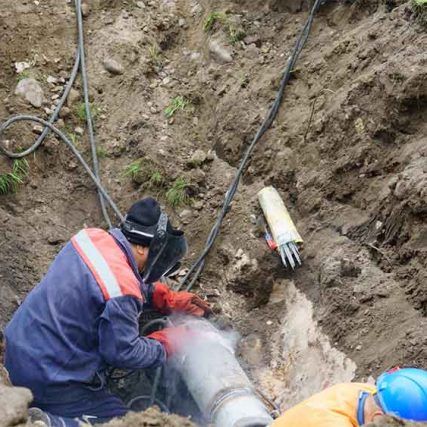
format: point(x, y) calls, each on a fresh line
point(281, 225)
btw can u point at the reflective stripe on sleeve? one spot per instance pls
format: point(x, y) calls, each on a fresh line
point(97, 264)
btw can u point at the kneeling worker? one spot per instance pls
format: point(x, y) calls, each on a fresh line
point(83, 316)
point(400, 392)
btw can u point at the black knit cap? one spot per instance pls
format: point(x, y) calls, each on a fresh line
point(145, 212)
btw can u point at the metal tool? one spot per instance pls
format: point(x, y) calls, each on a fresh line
point(281, 225)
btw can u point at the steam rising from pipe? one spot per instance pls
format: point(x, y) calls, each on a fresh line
point(218, 384)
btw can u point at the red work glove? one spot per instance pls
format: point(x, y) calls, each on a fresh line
point(172, 338)
point(167, 301)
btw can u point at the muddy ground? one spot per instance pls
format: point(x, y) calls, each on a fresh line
point(347, 153)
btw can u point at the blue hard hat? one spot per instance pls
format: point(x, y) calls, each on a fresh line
point(403, 393)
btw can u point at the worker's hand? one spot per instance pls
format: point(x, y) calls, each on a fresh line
point(167, 301)
point(172, 339)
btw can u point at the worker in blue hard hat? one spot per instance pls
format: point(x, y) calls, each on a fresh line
point(399, 392)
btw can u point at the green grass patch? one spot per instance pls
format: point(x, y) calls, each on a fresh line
point(234, 32)
point(101, 152)
point(419, 7)
point(72, 136)
point(177, 194)
point(81, 111)
point(134, 169)
point(25, 74)
point(156, 179)
point(10, 181)
point(213, 18)
point(144, 171)
point(176, 104)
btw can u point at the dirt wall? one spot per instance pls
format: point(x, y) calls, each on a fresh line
point(347, 152)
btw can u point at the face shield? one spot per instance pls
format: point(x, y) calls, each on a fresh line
point(168, 246)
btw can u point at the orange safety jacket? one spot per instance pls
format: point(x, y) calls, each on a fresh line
point(336, 406)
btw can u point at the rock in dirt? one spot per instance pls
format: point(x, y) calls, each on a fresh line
point(51, 79)
point(197, 159)
point(219, 53)
point(79, 131)
point(185, 216)
point(113, 67)
point(73, 97)
point(21, 66)
point(394, 422)
point(31, 90)
point(37, 129)
point(152, 417)
point(85, 9)
point(14, 403)
point(65, 112)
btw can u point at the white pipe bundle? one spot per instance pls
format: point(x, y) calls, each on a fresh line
point(281, 225)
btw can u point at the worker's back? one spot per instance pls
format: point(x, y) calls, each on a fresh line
point(335, 406)
point(68, 328)
point(52, 337)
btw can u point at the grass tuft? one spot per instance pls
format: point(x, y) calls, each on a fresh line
point(177, 195)
point(134, 169)
point(235, 34)
point(419, 8)
point(10, 181)
point(101, 152)
point(213, 18)
point(81, 111)
point(156, 179)
point(144, 171)
point(25, 74)
point(176, 104)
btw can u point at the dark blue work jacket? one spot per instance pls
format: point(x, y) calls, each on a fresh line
point(69, 329)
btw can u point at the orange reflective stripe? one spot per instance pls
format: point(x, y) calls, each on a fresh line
point(107, 262)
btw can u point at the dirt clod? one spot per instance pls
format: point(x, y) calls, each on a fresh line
point(150, 418)
point(14, 402)
point(394, 422)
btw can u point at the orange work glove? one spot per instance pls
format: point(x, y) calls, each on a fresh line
point(172, 338)
point(167, 302)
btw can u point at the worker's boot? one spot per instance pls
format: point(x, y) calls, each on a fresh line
point(39, 418)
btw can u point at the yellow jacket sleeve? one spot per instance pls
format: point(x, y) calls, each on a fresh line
point(312, 420)
point(335, 406)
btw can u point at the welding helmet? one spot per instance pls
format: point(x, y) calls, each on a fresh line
point(167, 245)
point(403, 393)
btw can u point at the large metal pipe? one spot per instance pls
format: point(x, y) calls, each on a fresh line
point(216, 380)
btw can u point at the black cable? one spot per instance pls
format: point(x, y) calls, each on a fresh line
point(79, 63)
point(198, 265)
point(76, 152)
point(161, 321)
point(158, 402)
point(155, 386)
point(89, 119)
point(52, 118)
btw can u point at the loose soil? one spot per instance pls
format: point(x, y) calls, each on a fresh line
point(347, 153)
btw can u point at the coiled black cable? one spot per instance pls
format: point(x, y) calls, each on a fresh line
point(78, 63)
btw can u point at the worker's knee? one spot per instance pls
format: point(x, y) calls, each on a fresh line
point(94, 406)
